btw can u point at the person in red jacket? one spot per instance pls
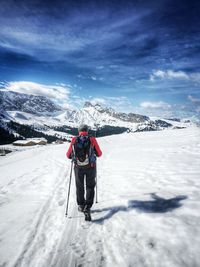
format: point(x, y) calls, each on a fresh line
point(83, 150)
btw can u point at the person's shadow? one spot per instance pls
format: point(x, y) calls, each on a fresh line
point(157, 205)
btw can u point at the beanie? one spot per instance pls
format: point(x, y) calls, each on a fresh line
point(83, 128)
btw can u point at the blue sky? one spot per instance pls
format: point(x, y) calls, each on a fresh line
point(136, 56)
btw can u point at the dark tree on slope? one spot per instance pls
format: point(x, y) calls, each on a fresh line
point(109, 130)
point(6, 137)
point(27, 131)
point(66, 129)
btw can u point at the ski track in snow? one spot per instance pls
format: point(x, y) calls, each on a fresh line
point(41, 234)
point(147, 215)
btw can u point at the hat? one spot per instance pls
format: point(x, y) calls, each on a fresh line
point(83, 128)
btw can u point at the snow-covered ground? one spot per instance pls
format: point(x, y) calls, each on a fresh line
point(148, 212)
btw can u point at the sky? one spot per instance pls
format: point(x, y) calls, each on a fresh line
point(135, 56)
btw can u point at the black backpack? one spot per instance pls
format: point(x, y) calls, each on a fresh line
point(82, 150)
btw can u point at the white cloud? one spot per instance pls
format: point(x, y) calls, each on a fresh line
point(155, 105)
point(158, 73)
point(95, 78)
point(194, 99)
point(97, 100)
point(56, 92)
point(174, 75)
point(100, 67)
point(196, 77)
point(198, 109)
point(177, 75)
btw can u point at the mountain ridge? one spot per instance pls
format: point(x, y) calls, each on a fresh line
point(41, 114)
point(34, 104)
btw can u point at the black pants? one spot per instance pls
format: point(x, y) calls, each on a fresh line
point(87, 176)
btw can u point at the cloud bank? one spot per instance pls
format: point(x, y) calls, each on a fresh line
point(59, 93)
point(155, 105)
point(194, 99)
point(174, 75)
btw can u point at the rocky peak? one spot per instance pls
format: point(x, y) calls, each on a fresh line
point(88, 104)
point(130, 117)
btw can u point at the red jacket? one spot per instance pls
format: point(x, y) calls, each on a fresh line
point(93, 143)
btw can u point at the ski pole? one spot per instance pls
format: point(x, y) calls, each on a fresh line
point(96, 163)
point(70, 178)
point(96, 185)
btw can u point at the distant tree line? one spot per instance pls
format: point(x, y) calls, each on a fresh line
point(101, 131)
point(27, 131)
point(108, 130)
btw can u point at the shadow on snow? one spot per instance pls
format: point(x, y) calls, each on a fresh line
point(157, 205)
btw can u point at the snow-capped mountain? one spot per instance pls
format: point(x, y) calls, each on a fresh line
point(130, 117)
point(27, 115)
point(40, 111)
point(34, 104)
point(94, 115)
point(97, 116)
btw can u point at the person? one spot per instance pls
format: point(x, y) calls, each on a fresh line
point(84, 166)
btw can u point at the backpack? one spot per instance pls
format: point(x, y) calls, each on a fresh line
point(82, 150)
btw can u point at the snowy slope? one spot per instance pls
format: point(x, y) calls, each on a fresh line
point(148, 212)
point(34, 104)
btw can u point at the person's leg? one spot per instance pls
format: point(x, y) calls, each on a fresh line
point(79, 177)
point(90, 185)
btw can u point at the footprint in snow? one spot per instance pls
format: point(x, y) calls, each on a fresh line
point(61, 202)
point(151, 244)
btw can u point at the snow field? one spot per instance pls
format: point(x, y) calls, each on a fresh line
point(158, 163)
point(147, 214)
point(33, 192)
point(148, 210)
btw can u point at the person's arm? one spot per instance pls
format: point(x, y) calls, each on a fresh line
point(96, 147)
point(69, 152)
